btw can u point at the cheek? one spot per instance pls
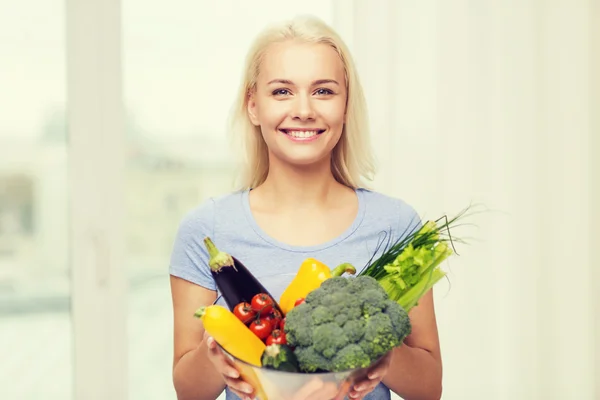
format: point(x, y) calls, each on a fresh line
point(272, 115)
point(334, 114)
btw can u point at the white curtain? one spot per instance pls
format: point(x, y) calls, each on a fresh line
point(496, 103)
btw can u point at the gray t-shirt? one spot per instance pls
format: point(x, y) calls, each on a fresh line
point(228, 221)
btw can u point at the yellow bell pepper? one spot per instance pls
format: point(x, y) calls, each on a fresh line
point(310, 275)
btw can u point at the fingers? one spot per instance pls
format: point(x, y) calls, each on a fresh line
point(378, 371)
point(307, 389)
point(366, 386)
point(210, 342)
point(223, 365)
point(242, 389)
point(316, 389)
point(364, 390)
point(230, 374)
point(327, 391)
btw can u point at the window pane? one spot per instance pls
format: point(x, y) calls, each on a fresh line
point(182, 63)
point(35, 325)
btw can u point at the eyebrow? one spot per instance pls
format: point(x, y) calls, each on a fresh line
point(317, 82)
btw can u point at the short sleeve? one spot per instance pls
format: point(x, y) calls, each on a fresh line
point(189, 257)
point(409, 220)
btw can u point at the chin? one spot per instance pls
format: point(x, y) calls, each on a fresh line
point(304, 160)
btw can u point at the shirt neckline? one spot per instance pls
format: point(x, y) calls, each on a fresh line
point(304, 249)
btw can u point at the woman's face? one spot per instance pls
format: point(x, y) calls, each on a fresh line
point(300, 101)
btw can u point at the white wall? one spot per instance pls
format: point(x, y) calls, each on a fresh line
point(493, 103)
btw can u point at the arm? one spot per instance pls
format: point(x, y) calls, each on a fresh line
point(194, 376)
point(415, 371)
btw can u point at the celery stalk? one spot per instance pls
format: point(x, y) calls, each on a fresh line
point(412, 296)
point(409, 267)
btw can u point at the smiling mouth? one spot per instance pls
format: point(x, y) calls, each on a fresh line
point(302, 134)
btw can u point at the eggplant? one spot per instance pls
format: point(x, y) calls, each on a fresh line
point(234, 281)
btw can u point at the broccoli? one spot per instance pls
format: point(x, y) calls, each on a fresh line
point(346, 323)
point(279, 357)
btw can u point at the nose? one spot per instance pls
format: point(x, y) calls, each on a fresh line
point(303, 108)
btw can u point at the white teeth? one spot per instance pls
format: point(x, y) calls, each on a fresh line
point(302, 134)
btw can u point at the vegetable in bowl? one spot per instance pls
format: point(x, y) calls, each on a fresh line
point(271, 369)
point(346, 323)
point(325, 327)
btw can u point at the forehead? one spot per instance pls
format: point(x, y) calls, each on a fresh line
point(301, 62)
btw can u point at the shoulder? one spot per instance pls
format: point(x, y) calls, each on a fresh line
point(202, 217)
point(395, 212)
point(384, 205)
point(189, 258)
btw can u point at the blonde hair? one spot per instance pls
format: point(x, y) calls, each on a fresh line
point(352, 159)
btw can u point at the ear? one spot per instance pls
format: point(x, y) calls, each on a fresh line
point(252, 109)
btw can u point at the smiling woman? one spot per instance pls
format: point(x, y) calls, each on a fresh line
point(300, 110)
point(307, 106)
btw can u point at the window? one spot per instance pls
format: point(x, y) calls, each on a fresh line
point(182, 65)
point(35, 333)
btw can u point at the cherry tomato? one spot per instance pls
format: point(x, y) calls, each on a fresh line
point(261, 328)
point(274, 318)
point(262, 303)
point(298, 302)
point(244, 312)
point(276, 337)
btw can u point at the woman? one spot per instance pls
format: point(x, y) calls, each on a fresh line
point(302, 113)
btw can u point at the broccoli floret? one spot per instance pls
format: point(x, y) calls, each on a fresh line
point(334, 285)
point(297, 319)
point(328, 339)
point(346, 323)
point(379, 336)
point(321, 315)
point(310, 360)
point(340, 319)
point(313, 298)
point(350, 357)
point(279, 357)
point(360, 284)
point(400, 319)
point(355, 329)
point(373, 301)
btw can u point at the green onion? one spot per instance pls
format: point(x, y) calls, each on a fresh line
point(408, 268)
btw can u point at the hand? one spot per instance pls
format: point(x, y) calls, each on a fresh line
point(366, 386)
point(316, 390)
point(226, 368)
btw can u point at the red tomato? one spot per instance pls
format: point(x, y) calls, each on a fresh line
point(282, 325)
point(262, 303)
point(298, 302)
point(261, 328)
point(276, 337)
point(244, 312)
point(274, 318)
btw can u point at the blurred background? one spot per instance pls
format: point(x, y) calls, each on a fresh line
point(112, 126)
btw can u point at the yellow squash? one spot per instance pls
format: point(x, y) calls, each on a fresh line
point(231, 333)
point(310, 275)
point(238, 340)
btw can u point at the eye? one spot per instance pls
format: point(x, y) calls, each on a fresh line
point(281, 92)
point(324, 91)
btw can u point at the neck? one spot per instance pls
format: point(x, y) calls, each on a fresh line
point(299, 186)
